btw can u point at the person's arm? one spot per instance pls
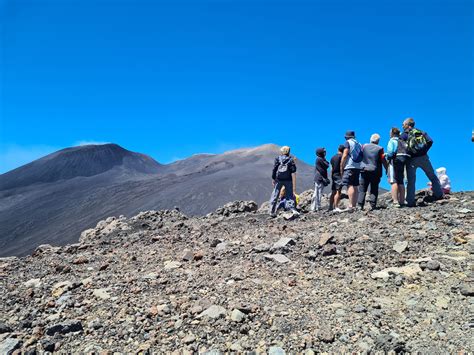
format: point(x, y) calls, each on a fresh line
point(293, 179)
point(429, 141)
point(344, 159)
point(383, 160)
point(274, 172)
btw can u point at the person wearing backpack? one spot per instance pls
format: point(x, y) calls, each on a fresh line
point(320, 178)
point(418, 144)
point(283, 175)
point(371, 171)
point(350, 167)
point(397, 157)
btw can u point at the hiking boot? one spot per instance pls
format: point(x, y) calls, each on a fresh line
point(295, 213)
point(273, 215)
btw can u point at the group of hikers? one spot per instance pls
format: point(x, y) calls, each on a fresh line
point(359, 168)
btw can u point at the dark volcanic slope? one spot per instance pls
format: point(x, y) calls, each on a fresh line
point(54, 198)
point(68, 163)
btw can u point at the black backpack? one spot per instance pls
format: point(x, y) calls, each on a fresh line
point(283, 171)
point(402, 148)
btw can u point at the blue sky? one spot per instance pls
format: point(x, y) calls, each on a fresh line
point(174, 78)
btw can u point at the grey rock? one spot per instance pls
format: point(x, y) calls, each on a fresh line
point(213, 312)
point(329, 249)
point(400, 247)
point(326, 335)
point(261, 248)
point(276, 350)
point(433, 265)
point(64, 328)
point(4, 328)
point(467, 290)
point(237, 316)
point(283, 242)
point(324, 239)
point(9, 345)
point(279, 258)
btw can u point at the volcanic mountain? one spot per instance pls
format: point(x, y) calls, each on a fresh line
point(53, 199)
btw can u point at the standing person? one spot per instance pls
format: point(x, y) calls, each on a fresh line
point(283, 174)
point(336, 178)
point(320, 178)
point(418, 145)
point(350, 167)
point(371, 172)
point(397, 157)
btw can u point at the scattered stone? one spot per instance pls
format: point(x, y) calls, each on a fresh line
point(237, 316)
point(9, 345)
point(214, 312)
point(324, 239)
point(261, 248)
point(61, 287)
point(400, 247)
point(433, 265)
point(198, 255)
point(410, 270)
point(282, 243)
point(279, 258)
point(101, 293)
point(276, 350)
point(170, 265)
point(80, 260)
point(187, 255)
point(329, 249)
point(64, 328)
point(189, 339)
point(326, 336)
point(35, 283)
point(467, 290)
point(4, 328)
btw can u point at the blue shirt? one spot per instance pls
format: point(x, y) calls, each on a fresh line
point(392, 147)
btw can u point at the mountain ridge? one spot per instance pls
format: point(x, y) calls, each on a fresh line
point(58, 205)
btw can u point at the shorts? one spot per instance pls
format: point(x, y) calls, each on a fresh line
point(350, 177)
point(336, 183)
point(396, 170)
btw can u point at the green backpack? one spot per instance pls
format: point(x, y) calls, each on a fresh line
point(416, 143)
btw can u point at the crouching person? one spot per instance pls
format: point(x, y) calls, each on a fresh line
point(283, 175)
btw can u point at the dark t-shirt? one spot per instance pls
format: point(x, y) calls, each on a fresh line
point(336, 165)
point(321, 170)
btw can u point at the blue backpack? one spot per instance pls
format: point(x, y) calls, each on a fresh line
point(356, 152)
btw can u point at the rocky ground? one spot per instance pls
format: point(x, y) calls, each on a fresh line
point(397, 280)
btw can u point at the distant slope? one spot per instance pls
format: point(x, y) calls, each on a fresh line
point(68, 163)
point(53, 199)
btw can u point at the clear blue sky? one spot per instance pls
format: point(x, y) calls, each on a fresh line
point(173, 78)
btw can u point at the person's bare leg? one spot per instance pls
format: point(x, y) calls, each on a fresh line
point(395, 194)
point(337, 198)
point(331, 200)
point(353, 194)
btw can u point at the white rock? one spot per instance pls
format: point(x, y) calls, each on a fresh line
point(101, 293)
point(279, 258)
point(33, 283)
point(400, 247)
point(170, 265)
